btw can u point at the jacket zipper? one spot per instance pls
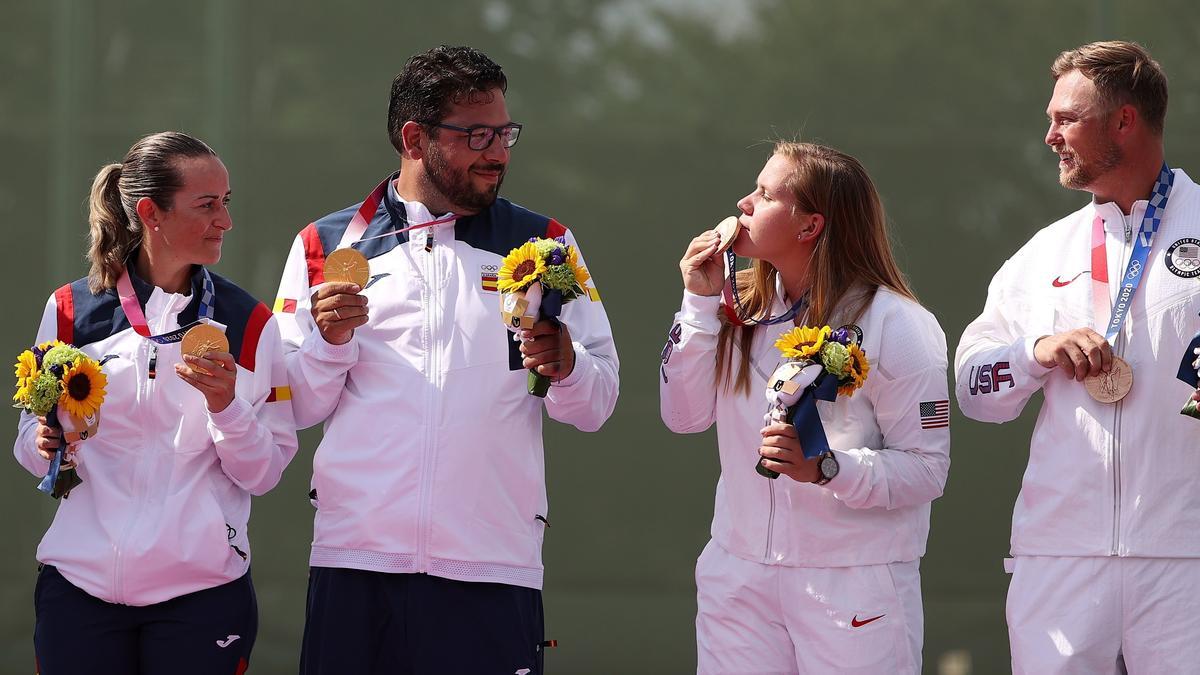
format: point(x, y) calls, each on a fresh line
point(770, 522)
point(145, 391)
point(1115, 443)
point(424, 519)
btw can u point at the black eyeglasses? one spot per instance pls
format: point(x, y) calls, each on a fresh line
point(480, 138)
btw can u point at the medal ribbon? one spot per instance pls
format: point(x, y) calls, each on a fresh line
point(733, 300)
point(1137, 259)
point(362, 218)
point(137, 318)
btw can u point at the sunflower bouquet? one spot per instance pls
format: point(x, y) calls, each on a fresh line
point(819, 364)
point(535, 280)
point(55, 378)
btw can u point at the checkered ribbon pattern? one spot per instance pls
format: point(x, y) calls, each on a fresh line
point(1158, 203)
point(1133, 276)
point(206, 297)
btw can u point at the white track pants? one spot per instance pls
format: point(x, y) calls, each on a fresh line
point(1104, 615)
point(771, 619)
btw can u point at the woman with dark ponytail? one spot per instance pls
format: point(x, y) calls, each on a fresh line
point(146, 566)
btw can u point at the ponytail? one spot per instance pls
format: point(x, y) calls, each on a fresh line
point(113, 235)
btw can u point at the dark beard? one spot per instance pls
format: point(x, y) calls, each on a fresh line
point(455, 186)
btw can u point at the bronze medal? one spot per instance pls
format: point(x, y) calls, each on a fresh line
point(202, 339)
point(347, 265)
point(728, 230)
point(1112, 386)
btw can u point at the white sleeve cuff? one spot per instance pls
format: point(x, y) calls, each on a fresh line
point(850, 473)
point(581, 361)
point(344, 353)
point(233, 418)
point(1028, 363)
point(701, 311)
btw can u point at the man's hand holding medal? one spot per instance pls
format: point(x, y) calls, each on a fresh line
point(1085, 355)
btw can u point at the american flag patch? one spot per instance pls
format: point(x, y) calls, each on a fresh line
point(285, 306)
point(488, 278)
point(935, 414)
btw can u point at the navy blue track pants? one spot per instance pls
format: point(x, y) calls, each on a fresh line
point(376, 623)
point(209, 632)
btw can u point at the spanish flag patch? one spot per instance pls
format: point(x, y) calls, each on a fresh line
point(285, 306)
point(279, 394)
point(488, 277)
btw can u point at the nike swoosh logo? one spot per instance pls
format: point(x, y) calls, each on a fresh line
point(227, 641)
point(859, 624)
point(376, 277)
point(1059, 283)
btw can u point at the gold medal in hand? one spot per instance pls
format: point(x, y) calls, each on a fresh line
point(347, 265)
point(202, 339)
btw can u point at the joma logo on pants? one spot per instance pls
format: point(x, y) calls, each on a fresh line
point(987, 378)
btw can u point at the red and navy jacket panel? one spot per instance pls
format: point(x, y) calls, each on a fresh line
point(85, 317)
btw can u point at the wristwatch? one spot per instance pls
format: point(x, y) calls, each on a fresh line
point(827, 467)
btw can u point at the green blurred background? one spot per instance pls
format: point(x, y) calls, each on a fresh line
point(645, 120)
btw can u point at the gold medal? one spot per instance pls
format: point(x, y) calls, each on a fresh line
point(728, 230)
point(202, 339)
point(1112, 386)
point(347, 265)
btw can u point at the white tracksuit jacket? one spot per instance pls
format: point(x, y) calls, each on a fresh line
point(165, 498)
point(1103, 479)
point(432, 457)
point(876, 510)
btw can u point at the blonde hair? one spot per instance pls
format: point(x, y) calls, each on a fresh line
point(1123, 72)
point(851, 258)
point(150, 169)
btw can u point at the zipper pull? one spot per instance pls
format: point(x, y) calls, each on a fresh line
point(429, 241)
point(153, 362)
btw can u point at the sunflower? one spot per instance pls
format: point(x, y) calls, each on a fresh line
point(856, 370)
point(83, 388)
point(27, 372)
point(802, 343)
point(520, 268)
point(581, 273)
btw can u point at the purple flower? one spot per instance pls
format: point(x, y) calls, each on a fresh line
point(533, 240)
point(561, 239)
point(841, 336)
point(557, 257)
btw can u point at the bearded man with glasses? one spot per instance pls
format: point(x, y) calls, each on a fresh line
point(429, 482)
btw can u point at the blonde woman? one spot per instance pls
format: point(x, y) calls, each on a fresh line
point(817, 571)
